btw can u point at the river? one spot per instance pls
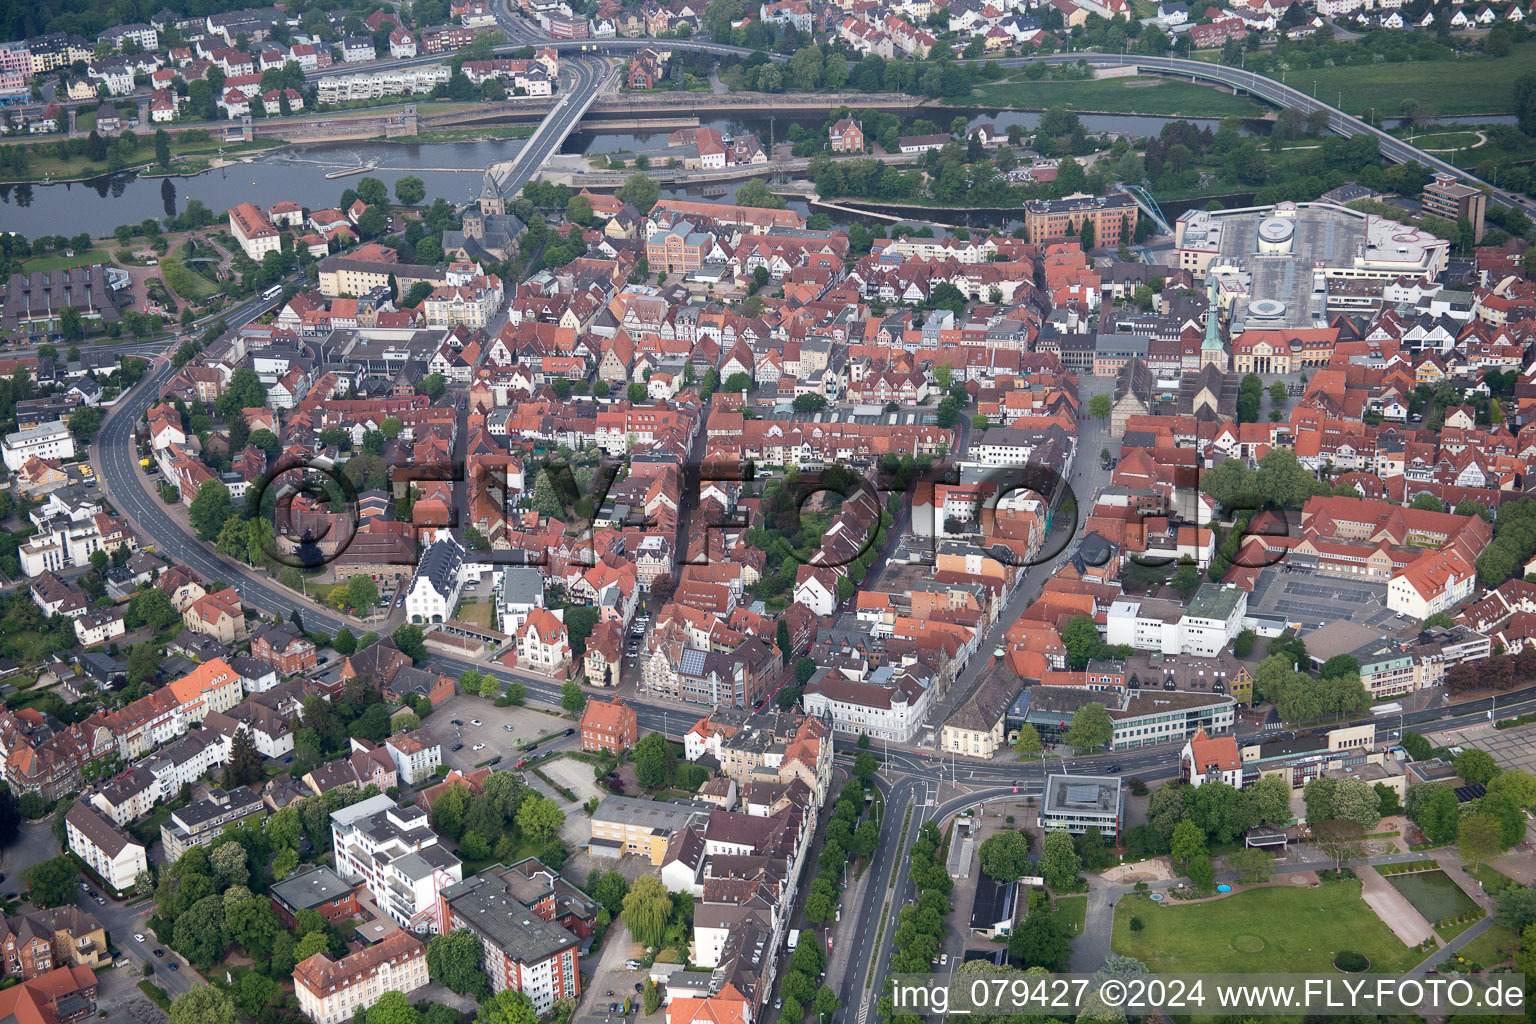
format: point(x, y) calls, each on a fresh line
point(452, 170)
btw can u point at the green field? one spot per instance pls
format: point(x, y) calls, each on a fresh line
point(1494, 946)
point(1071, 913)
point(59, 261)
point(1482, 85)
point(1275, 929)
point(1135, 95)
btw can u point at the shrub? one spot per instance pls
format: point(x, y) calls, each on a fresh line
point(1349, 960)
point(1136, 924)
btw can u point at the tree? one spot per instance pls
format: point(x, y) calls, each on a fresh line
point(571, 697)
point(1005, 855)
point(1516, 784)
point(1099, 406)
point(199, 933)
point(1355, 800)
point(805, 668)
point(391, 1008)
point(410, 190)
point(1081, 639)
point(1341, 840)
point(1188, 842)
point(163, 148)
point(640, 192)
point(1253, 866)
point(455, 961)
point(209, 509)
point(1027, 743)
point(646, 909)
point(1318, 797)
point(508, 1006)
point(362, 595)
point(309, 945)
point(1516, 908)
point(1040, 942)
point(1476, 765)
point(1059, 863)
point(1479, 839)
point(865, 765)
point(540, 819)
point(1091, 727)
point(244, 766)
point(411, 641)
point(51, 883)
point(84, 422)
point(1434, 808)
point(433, 385)
point(654, 761)
point(203, 1004)
point(228, 865)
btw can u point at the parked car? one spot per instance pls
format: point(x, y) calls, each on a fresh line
point(458, 721)
point(474, 721)
point(138, 936)
point(530, 748)
point(495, 760)
point(568, 732)
point(478, 746)
point(175, 966)
point(458, 746)
point(159, 952)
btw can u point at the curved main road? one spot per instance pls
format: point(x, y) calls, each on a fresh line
point(1281, 95)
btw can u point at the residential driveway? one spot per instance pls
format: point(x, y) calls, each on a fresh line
point(1392, 907)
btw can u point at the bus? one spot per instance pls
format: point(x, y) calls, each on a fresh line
point(1387, 709)
point(273, 292)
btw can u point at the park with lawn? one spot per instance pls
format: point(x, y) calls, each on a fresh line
point(1271, 929)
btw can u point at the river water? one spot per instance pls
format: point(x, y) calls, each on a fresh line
point(450, 170)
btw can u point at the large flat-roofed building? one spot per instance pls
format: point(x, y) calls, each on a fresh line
point(394, 850)
point(523, 950)
point(314, 888)
point(1447, 197)
point(1056, 220)
point(1076, 803)
point(625, 824)
point(1275, 266)
point(44, 441)
point(1139, 718)
point(200, 823)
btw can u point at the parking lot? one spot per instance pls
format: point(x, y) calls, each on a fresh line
point(489, 735)
point(1315, 599)
point(1511, 748)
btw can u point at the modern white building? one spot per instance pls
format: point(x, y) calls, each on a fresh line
point(44, 441)
point(1207, 627)
point(521, 589)
point(394, 850)
point(1213, 619)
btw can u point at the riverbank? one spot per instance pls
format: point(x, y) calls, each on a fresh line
point(187, 160)
point(1137, 94)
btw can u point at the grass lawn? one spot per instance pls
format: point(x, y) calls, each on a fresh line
point(1275, 929)
point(1071, 913)
point(1494, 946)
point(489, 131)
point(1134, 95)
point(1482, 85)
point(475, 612)
point(59, 261)
point(1492, 878)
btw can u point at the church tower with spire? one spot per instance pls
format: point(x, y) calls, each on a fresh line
point(1213, 351)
